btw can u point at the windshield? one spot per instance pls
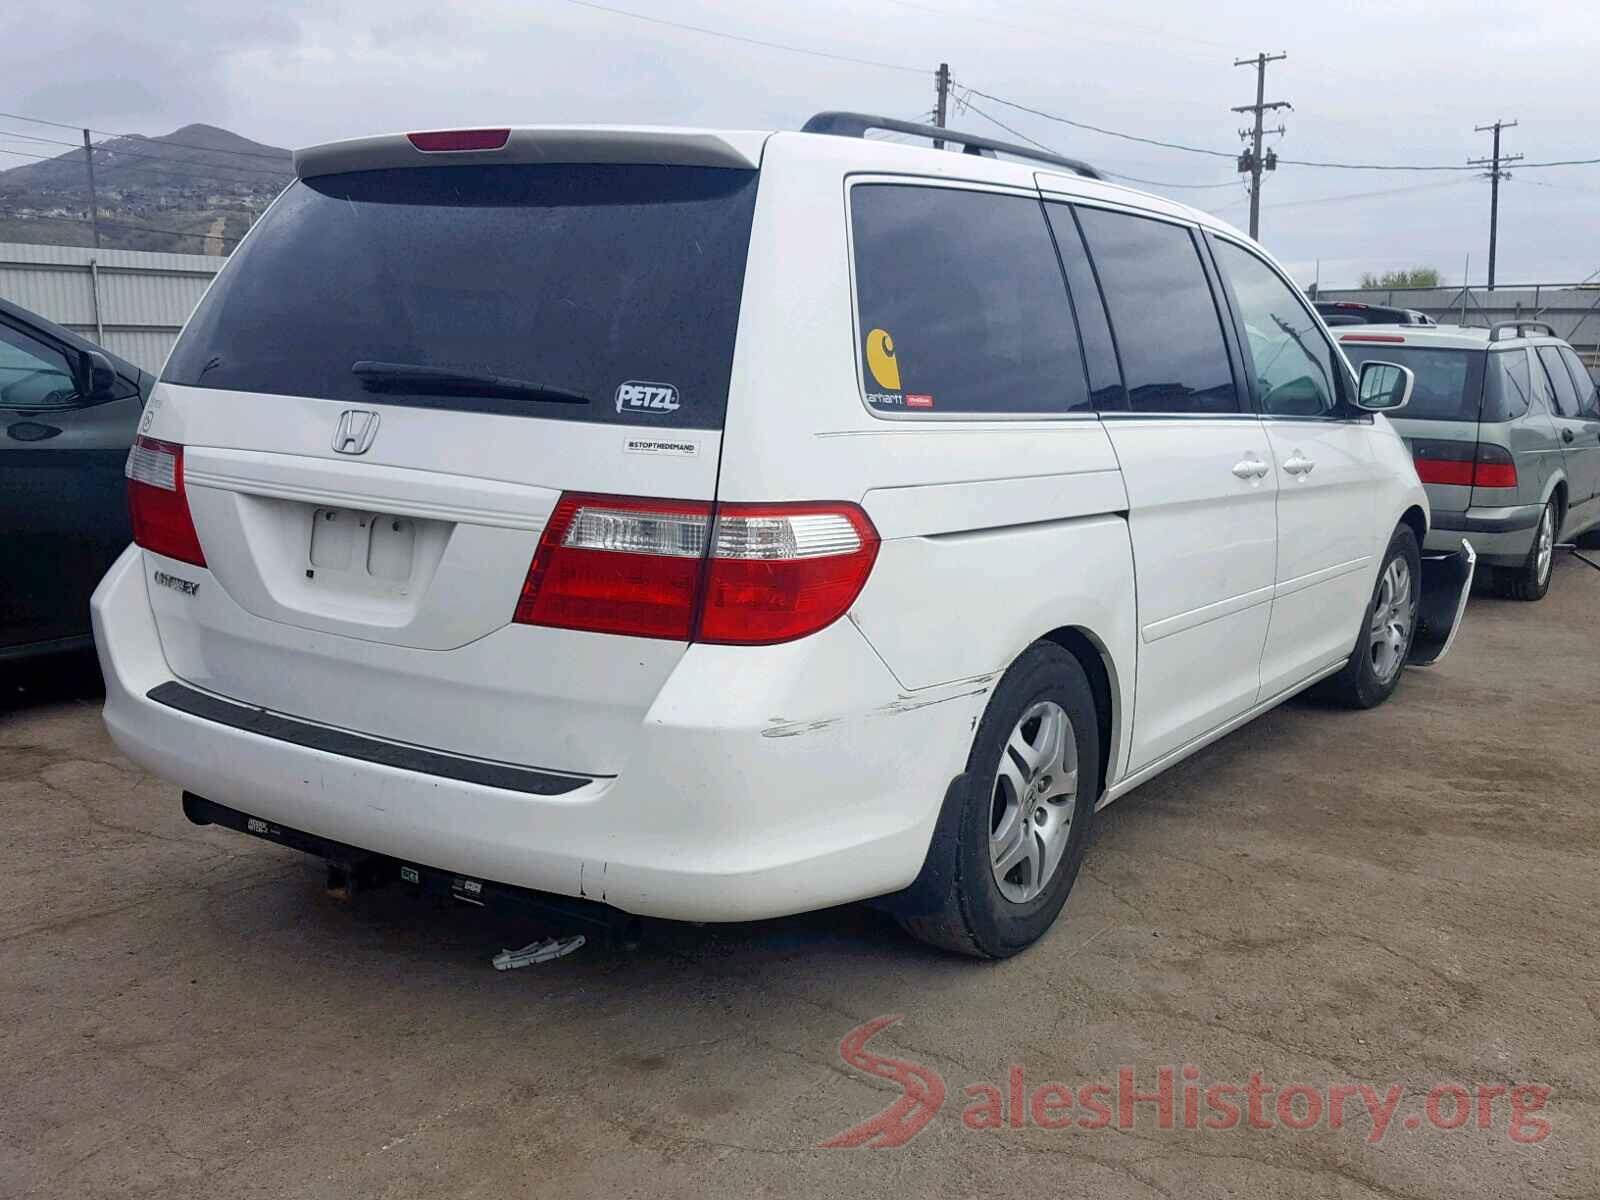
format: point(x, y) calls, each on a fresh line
point(577, 292)
point(1449, 383)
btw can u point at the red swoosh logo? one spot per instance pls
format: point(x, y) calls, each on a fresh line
point(922, 1092)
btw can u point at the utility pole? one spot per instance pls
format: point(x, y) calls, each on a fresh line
point(1251, 160)
point(941, 85)
point(1495, 176)
point(94, 203)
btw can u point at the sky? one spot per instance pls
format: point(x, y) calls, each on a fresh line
point(1379, 83)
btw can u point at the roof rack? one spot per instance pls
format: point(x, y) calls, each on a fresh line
point(853, 124)
point(1519, 329)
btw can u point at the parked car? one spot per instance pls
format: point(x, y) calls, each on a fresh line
point(1504, 426)
point(68, 413)
point(1350, 312)
point(557, 513)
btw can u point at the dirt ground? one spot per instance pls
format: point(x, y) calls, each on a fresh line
point(1406, 897)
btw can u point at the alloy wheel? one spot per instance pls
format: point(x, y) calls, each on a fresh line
point(1394, 612)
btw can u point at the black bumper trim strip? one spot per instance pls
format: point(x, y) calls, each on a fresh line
point(353, 745)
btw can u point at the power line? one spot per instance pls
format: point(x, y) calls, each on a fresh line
point(1094, 128)
point(164, 141)
point(749, 41)
point(966, 104)
point(205, 237)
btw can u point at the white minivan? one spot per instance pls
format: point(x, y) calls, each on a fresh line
point(714, 526)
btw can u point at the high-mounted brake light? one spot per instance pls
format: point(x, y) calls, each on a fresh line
point(158, 507)
point(737, 574)
point(441, 141)
point(1372, 337)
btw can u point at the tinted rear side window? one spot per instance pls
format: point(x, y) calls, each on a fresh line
point(579, 277)
point(1168, 331)
point(961, 305)
point(1566, 396)
point(1588, 399)
point(1449, 383)
point(1507, 388)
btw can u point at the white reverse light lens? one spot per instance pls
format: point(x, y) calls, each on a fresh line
point(675, 535)
point(152, 463)
point(797, 535)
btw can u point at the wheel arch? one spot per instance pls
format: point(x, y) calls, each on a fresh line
point(1106, 684)
point(1415, 518)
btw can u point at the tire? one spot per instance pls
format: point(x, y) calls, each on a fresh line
point(1531, 580)
point(1378, 660)
point(967, 904)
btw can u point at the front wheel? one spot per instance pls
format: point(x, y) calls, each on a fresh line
point(1018, 822)
point(1389, 624)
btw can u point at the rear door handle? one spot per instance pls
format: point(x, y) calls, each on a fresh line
point(1299, 466)
point(1250, 468)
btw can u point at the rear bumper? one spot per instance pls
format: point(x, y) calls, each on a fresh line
point(1501, 536)
point(765, 781)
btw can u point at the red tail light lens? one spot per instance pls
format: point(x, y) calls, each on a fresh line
point(157, 505)
point(1464, 464)
point(742, 574)
point(446, 140)
point(1494, 467)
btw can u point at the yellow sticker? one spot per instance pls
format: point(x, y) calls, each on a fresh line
point(881, 361)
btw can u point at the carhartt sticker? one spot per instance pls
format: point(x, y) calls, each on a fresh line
point(881, 361)
point(639, 396)
point(670, 446)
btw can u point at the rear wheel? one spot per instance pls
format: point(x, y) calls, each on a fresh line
point(1531, 580)
point(1005, 859)
point(1373, 671)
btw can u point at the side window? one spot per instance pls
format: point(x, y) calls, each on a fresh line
point(1164, 317)
point(1295, 368)
point(33, 373)
point(1099, 351)
point(1566, 396)
point(1509, 389)
point(1588, 394)
point(962, 307)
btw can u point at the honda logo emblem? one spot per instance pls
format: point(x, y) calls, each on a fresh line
point(357, 429)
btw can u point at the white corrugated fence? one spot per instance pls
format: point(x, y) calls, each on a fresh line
point(132, 302)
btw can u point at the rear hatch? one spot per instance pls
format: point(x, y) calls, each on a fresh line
point(1441, 423)
point(384, 395)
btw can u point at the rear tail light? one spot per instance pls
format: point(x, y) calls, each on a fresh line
point(157, 505)
point(1464, 464)
point(738, 574)
point(1494, 467)
point(448, 140)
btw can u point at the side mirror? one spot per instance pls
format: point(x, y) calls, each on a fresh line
point(1385, 387)
point(99, 376)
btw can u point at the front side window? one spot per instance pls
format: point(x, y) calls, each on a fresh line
point(1566, 396)
point(961, 307)
point(1295, 369)
point(33, 374)
point(1163, 315)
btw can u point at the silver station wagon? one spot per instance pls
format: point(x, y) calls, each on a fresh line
point(1504, 427)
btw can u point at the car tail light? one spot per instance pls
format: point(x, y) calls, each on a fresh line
point(739, 574)
point(157, 505)
point(1463, 464)
point(781, 571)
point(447, 140)
point(1494, 467)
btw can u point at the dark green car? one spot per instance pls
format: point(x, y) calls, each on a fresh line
point(68, 412)
point(1504, 428)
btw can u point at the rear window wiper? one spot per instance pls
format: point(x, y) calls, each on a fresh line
point(451, 381)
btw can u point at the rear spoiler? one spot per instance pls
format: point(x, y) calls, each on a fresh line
point(1446, 583)
point(648, 145)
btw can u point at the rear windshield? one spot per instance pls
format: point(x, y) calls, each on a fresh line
point(576, 292)
point(1449, 383)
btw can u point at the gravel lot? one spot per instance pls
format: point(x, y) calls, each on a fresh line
point(1407, 896)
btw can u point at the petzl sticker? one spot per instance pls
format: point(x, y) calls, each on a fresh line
point(641, 396)
point(673, 447)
